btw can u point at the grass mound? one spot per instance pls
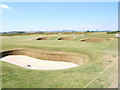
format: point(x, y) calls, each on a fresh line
point(65, 38)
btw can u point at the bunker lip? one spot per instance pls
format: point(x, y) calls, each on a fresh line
point(36, 64)
point(76, 58)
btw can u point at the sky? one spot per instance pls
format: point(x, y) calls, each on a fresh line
point(50, 16)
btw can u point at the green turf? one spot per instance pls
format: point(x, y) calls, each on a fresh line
point(18, 77)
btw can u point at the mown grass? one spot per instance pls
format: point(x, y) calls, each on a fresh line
point(14, 76)
point(17, 77)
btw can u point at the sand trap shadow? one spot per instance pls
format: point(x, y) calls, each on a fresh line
point(6, 53)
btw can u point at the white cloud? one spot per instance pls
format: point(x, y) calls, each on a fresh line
point(5, 6)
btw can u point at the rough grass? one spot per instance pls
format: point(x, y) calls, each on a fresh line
point(100, 55)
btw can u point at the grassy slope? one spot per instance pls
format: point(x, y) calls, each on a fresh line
point(14, 76)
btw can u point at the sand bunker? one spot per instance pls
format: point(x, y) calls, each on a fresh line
point(44, 38)
point(70, 57)
point(92, 40)
point(65, 38)
point(37, 64)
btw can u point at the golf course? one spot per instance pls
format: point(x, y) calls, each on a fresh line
point(95, 56)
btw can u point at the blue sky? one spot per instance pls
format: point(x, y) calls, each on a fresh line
point(33, 16)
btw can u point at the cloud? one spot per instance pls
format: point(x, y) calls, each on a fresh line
point(5, 6)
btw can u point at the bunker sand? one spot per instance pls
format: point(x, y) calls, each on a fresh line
point(95, 39)
point(44, 38)
point(36, 64)
point(65, 38)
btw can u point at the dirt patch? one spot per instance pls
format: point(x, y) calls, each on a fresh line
point(76, 58)
point(92, 40)
point(65, 38)
point(44, 38)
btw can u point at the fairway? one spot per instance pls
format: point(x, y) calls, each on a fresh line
point(98, 52)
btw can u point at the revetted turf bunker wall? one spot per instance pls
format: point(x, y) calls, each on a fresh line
point(76, 58)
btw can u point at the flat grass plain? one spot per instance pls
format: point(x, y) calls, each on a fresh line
point(101, 54)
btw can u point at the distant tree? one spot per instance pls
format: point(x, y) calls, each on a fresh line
point(88, 31)
point(4, 32)
point(113, 32)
